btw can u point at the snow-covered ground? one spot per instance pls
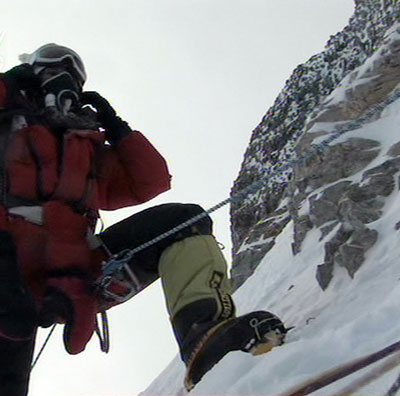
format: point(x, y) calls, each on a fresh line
point(352, 318)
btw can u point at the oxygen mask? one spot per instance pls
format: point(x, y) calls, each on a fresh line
point(60, 90)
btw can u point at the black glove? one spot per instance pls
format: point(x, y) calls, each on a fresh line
point(116, 128)
point(22, 77)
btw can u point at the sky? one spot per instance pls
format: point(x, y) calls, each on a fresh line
point(196, 77)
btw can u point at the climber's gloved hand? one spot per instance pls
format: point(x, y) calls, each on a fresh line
point(22, 77)
point(116, 128)
point(105, 111)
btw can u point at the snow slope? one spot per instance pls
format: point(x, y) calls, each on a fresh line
point(351, 318)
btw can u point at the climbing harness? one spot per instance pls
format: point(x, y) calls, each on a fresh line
point(116, 269)
point(118, 282)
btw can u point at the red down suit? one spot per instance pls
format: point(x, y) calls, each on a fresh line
point(68, 178)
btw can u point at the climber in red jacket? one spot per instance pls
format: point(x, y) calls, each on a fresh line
point(65, 155)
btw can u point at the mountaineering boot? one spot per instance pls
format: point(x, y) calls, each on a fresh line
point(256, 332)
point(193, 273)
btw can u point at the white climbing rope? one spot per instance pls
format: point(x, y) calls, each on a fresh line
point(118, 261)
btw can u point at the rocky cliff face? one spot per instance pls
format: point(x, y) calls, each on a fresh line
point(359, 69)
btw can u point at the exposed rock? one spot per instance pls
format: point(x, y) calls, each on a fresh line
point(356, 212)
point(325, 271)
point(335, 192)
point(389, 167)
point(351, 257)
point(322, 211)
point(339, 161)
point(334, 244)
point(324, 206)
point(353, 143)
point(394, 150)
point(265, 230)
point(247, 262)
point(382, 185)
point(364, 238)
point(302, 225)
point(324, 274)
point(351, 254)
point(318, 183)
point(328, 229)
point(358, 193)
point(376, 83)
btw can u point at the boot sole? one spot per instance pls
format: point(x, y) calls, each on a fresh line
point(270, 340)
point(189, 384)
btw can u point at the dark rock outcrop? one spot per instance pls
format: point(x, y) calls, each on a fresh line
point(362, 65)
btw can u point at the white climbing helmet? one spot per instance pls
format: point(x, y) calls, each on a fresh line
point(53, 54)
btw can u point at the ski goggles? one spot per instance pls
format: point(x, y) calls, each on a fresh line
point(54, 54)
